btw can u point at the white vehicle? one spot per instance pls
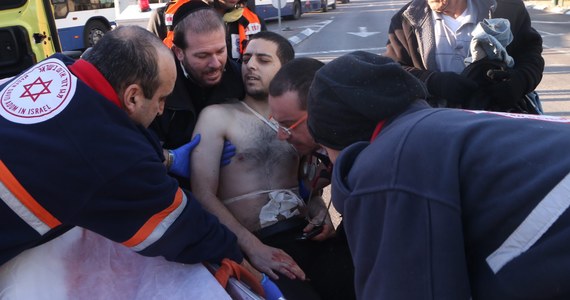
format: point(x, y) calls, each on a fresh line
point(265, 9)
point(132, 15)
point(81, 23)
point(293, 8)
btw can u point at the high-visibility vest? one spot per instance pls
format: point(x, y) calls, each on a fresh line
point(248, 24)
point(171, 8)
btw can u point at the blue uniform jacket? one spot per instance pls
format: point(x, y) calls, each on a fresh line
point(444, 204)
point(70, 157)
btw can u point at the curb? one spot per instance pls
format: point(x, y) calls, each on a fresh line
point(551, 9)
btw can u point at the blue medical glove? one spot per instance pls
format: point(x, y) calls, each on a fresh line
point(227, 154)
point(272, 292)
point(180, 164)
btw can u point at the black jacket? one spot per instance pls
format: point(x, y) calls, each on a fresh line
point(174, 128)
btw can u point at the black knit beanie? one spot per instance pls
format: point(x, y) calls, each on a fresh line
point(352, 93)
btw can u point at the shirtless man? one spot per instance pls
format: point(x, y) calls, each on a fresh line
point(246, 194)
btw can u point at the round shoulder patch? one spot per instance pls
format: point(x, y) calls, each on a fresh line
point(39, 94)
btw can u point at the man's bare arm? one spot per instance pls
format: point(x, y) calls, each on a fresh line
point(205, 170)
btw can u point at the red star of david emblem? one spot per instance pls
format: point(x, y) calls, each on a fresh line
point(34, 92)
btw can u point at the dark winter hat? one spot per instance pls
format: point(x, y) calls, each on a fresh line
point(352, 93)
point(188, 8)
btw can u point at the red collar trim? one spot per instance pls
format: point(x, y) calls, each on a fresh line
point(87, 73)
point(377, 130)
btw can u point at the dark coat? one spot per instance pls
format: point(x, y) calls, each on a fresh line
point(436, 208)
point(175, 126)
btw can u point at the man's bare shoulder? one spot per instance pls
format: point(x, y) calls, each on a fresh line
point(227, 107)
point(220, 112)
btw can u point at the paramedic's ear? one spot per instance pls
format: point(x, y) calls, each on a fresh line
point(129, 97)
point(179, 52)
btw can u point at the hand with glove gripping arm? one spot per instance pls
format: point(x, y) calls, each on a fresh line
point(178, 160)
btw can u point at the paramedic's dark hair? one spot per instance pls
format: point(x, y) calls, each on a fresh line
point(127, 55)
point(296, 76)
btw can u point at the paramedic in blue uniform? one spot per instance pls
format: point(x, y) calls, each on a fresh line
point(442, 203)
point(75, 151)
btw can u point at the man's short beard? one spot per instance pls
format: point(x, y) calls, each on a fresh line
point(258, 95)
point(198, 80)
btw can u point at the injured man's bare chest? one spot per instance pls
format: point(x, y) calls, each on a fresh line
point(259, 186)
